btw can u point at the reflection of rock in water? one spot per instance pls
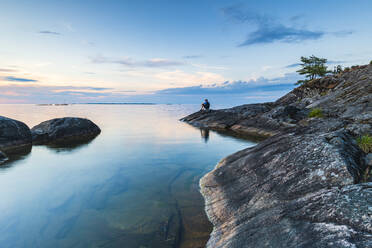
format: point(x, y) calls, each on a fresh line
point(68, 145)
point(204, 134)
point(15, 154)
point(3, 157)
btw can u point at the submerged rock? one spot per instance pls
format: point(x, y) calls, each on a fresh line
point(14, 135)
point(64, 130)
point(308, 184)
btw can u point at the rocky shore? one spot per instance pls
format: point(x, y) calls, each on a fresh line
point(16, 137)
point(309, 183)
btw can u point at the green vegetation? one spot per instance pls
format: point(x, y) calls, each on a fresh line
point(365, 143)
point(312, 67)
point(370, 62)
point(316, 112)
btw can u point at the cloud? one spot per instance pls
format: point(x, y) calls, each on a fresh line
point(72, 88)
point(106, 60)
point(129, 62)
point(342, 33)
point(158, 62)
point(296, 18)
point(192, 56)
point(17, 79)
point(270, 30)
point(7, 70)
point(186, 78)
point(336, 61)
point(237, 87)
point(279, 32)
point(293, 65)
point(49, 32)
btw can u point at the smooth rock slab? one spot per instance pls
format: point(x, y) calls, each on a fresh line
point(14, 135)
point(64, 130)
point(292, 190)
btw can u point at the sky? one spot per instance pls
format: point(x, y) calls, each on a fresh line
point(172, 51)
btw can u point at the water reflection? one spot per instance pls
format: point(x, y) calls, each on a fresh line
point(135, 185)
point(14, 155)
point(69, 146)
point(204, 134)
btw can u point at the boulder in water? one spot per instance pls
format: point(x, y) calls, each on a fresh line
point(14, 135)
point(65, 130)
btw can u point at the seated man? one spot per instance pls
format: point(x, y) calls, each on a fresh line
point(205, 105)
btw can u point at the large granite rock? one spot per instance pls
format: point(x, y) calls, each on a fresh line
point(64, 130)
point(308, 184)
point(14, 135)
point(291, 191)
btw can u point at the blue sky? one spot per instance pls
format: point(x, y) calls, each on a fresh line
point(172, 51)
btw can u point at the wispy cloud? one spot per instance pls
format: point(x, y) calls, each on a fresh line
point(7, 70)
point(279, 32)
point(49, 32)
point(192, 56)
point(269, 29)
point(18, 79)
point(126, 61)
point(183, 78)
point(158, 62)
point(293, 65)
point(72, 88)
point(343, 33)
point(336, 61)
point(107, 60)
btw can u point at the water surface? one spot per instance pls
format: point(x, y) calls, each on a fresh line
point(134, 185)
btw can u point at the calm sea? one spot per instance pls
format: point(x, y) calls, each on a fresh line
point(134, 185)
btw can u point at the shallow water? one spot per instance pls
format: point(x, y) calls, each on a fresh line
point(134, 185)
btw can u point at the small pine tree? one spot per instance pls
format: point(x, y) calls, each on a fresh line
point(312, 67)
